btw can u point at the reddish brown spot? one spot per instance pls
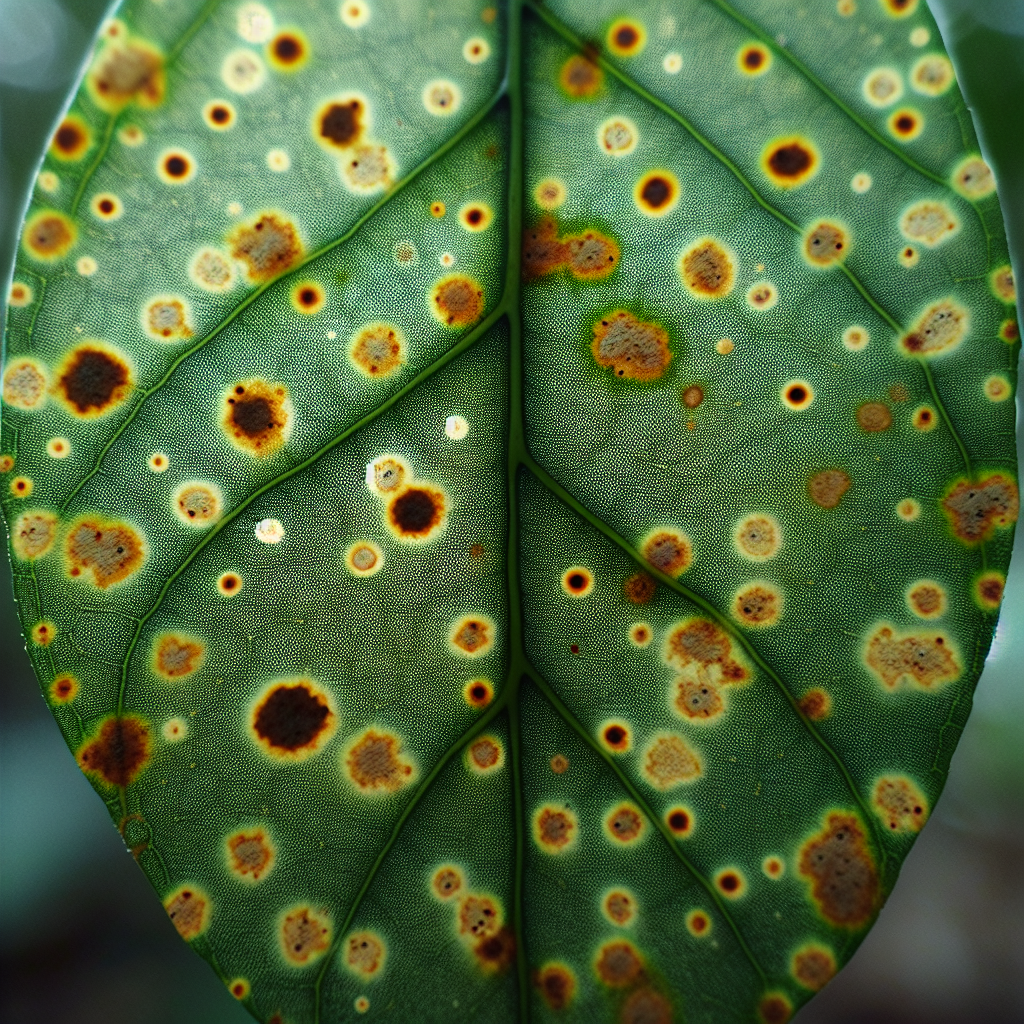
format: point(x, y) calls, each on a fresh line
point(693, 396)
point(557, 985)
point(828, 487)
point(625, 824)
point(49, 236)
point(618, 964)
point(71, 139)
point(94, 380)
point(626, 37)
point(118, 752)
point(698, 922)
point(679, 821)
point(753, 58)
point(111, 550)
point(1009, 332)
point(590, 255)
point(458, 301)
point(555, 829)
point(189, 911)
point(417, 512)
point(292, 718)
point(797, 394)
point(125, 73)
point(341, 124)
point(976, 510)
point(813, 967)
point(176, 656)
point(229, 583)
point(220, 115)
point(616, 737)
point(543, 251)
point(704, 644)
point(288, 49)
point(176, 166)
point(446, 882)
point(639, 588)
point(63, 689)
point(905, 124)
point(580, 77)
point(574, 648)
point(774, 1008)
point(791, 160)
point(479, 693)
point(646, 1006)
point(268, 247)
point(250, 854)
point(816, 704)
point(256, 416)
point(730, 883)
point(841, 871)
point(497, 952)
point(559, 764)
point(619, 906)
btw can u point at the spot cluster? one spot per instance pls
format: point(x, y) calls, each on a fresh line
point(479, 919)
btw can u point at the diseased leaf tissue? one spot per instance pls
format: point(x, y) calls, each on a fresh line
point(509, 504)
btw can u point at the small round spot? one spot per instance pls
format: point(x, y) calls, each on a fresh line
point(925, 419)
point(64, 689)
point(229, 584)
point(175, 167)
point(762, 296)
point(668, 550)
point(997, 388)
point(615, 736)
point(797, 395)
point(577, 581)
point(456, 428)
point(291, 719)
point(354, 13)
point(478, 693)
point(279, 161)
point(619, 907)
point(375, 763)
point(269, 531)
point(457, 300)
point(656, 193)
point(418, 513)
point(446, 259)
point(549, 194)
point(909, 257)
point(757, 605)
point(988, 590)
point(827, 487)
point(624, 824)
point(387, 475)
point(48, 236)
point(72, 140)
point(640, 588)
point(198, 503)
point(239, 988)
point(288, 50)
point(920, 36)
point(932, 75)
point(698, 924)
point(731, 883)
point(724, 346)
point(367, 168)
point(441, 97)
point(908, 510)
point(1009, 331)
point(254, 23)
point(856, 338)
point(679, 821)
point(20, 295)
point(906, 124)
point(672, 63)
point(257, 416)
point(559, 764)
point(48, 182)
point(708, 269)
point(754, 59)
point(580, 78)
point(167, 318)
point(476, 216)
point(813, 967)
point(861, 182)
point(846, 8)
point(485, 755)
point(405, 254)
point(758, 537)
point(106, 206)
point(618, 136)
point(364, 954)
point(243, 72)
point(774, 867)
point(250, 854)
point(826, 244)
point(447, 881)
point(158, 462)
point(974, 179)
point(219, 115)
point(816, 704)
point(6, 463)
point(641, 634)
point(927, 599)
point(364, 558)
point(555, 828)
point(43, 633)
point(86, 266)
point(21, 487)
point(874, 417)
point(774, 1008)
point(437, 209)
point(882, 87)
point(557, 985)
point(308, 297)
point(58, 447)
point(476, 50)
point(1003, 285)
point(472, 636)
point(626, 37)
point(361, 1004)
point(790, 161)
point(132, 136)
point(24, 384)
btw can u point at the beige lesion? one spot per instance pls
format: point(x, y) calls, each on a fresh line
point(921, 658)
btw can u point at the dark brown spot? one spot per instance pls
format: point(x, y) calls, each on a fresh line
point(580, 77)
point(656, 192)
point(557, 985)
point(626, 37)
point(458, 301)
point(841, 871)
point(113, 551)
point(905, 124)
point(70, 140)
point(646, 1006)
point(287, 49)
point(619, 964)
point(791, 160)
point(774, 1008)
point(577, 581)
point(729, 882)
point(49, 236)
point(639, 588)
point(94, 380)
point(815, 704)
point(220, 115)
point(679, 821)
point(118, 752)
point(341, 124)
point(616, 737)
point(417, 511)
point(497, 952)
point(753, 58)
point(796, 394)
point(291, 718)
point(176, 166)
point(257, 416)
point(813, 967)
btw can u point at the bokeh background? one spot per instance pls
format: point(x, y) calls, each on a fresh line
point(84, 941)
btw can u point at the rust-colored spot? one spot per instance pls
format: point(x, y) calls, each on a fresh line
point(616, 737)
point(287, 51)
point(640, 588)
point(557, 985)
point(656, 193)
point(692, 396)
point(229, 583)
point(758, 537)
point(632, 348)
point(826, 244)
point(619, 964)
point(485, 755)
point(250, 854)
point(472, 636)
point(789, 162)
point(773, 866)
point(619, 907)
point(758, 604)
point(816, 704)
point(93, 379)
point(730, 883)
point(580, 78)
point(697, 698)
point(112, 551)
point(543, 251)
point(479, 916)
point(976, 510)
point(813, 967)
point(118, 751)
point(478, 693)
point(900, 804)
point(668, 551)
point(679, 821)
point(447, 882)
point(905, 124)
point(365, 954)
point(376, 765)
point(708, 269)
point(378, 350)
point(496, 953)
point(988, 590)
point(125, 72)
point(927, 599)
point(176, 656)
point(589, 256)
point(1009, 332)
point(839, 867)
point(304, 935)
point(923, 658)
point(698, 923)
point(940, 328)
point(554, 828)
point(188, 907)
point(417, 512)
point(798, 395)
point(754, 59)
point(457, 300)
point(71, 140)
point(49, 236)
point(701, 644)
point(874, 417)
point(774, 1008)
point(33, 534)
point(239, 988)
point(43, 633)
point(827, 487)
point(257, 416)
point(646, 1006)
point(669, 762)
point(624, 824)
point(559, 764)
point(267, 247)
point(292, 719)
point(64, 689)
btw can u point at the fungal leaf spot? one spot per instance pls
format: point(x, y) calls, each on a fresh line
point(189, 908)
point(376, 765)
point(838, 865)
point(922, 658)
point(118, 751)
point(292, 719)
point(631, 348)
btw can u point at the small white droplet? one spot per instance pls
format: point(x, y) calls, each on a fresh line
point(920, 36)
point(456, 427)
point(331, 335)
point(672, 63)
point(174, 729)
point(270, 531)
point(279, 160)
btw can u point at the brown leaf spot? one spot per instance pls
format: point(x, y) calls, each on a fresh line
point(110, 550)
point(640, 588)
point(374, 763)
point(378, 350)
point(496, 953)
point(189, 911)
point(365, 954)
point(268, 247)
point(827, 487)
point(976, 510)
point(64, 689)
point(925, 659)
point(293, 719)
point(124, 72)
point(940, 328)
point(758, 605)
point(624, 824)
point(554, 829)
point(118, 751)
point(557, 985)
point(813, 967)
point(478, 693)
point(479, 916)
point(774, 1008)
point(646, 1006)
point(656, 193)
point(789, 162)
point(705, 645)
point(619, 964)
point(287, 51)
point(669, 762)
point(874, 417)
point(559, 764)
point(698, 699)
point(166, 318)
point(841, 871)
point(632, 348)
point(417, 512)
point(257, 416)
point(176, 656)
point(580, 78)
point(708, 270)
point(71, 140)
point(619, 907)
point(988, 590)
point(826, 244)
point(304, 935)
point(93, 379)
point(457, 300)
point(485, 754)
point(447, 882)
point(816, 704)
point(900, 804)
point(251, 854)
point(49, 236)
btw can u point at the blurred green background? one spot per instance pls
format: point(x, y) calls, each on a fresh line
point(84, 941)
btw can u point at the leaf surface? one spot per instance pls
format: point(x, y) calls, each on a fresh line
point(509, 506)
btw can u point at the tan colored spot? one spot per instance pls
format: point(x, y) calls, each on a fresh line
point(367, 168)
point(580, 78)
point(626, 37)
point(874, 417)
point(485, 755)
point(763, 295)
point(774, 1008)
point(790, 161)
point(927, 599)
point(758, 604)
point(826, 244)
point(618, 964)
point(198, 504)
point(376, 765)
point(480, 916)
point(1003, 284)
point(698, 924)
point(557, 985)
point(669, 762)
point(554, 828)
point(698, 699)
point(619, 907)
point(93, 379)
point(923, 659)
point(43, 633)
point(126, 72)
point(813, 967)
point(33, 534)
point(64, 689)
point(291, 719)
point(997, 388)
point(731, 883)
point(20, 295)
point(211, 271)
point(267, 247)
point(724, 346)
point(929, 223)
point(418, 513)
point(827, 487)
point(58, 447)
point(932, 75)
point(774, 867)
point(387, 474)
point(656, 193)
point(250, 854)
point(855, 338)
point(176, 655)
point(640, 588)
point(908, 510)
point(110, 550)
point(559, 764)
point(378, 350)
point(365, 954)
point(838, 865)
point(988, 590)
point(668, 551)
point(976, 510)
point(472, 636)
point(816, 704)
point(549, 194)
point(618, 136)
point(693, 396)
point(71, 140)
point(364, 558)
point(447, 882)
point(940, 328)
point(646, 1006)
point(6, 463)
point(457, 300)
point(591, 255)
point(188, 907)
point(441, 98)
point(758, 537)
point(906, 124)
point(478, 693)
point(48, 236)
point(900, 804)
point(257, 416)
point(304, 935)
point(701, 645)
point(882, 87)
point(118, 751)
point(624, 824)
point(708, 269)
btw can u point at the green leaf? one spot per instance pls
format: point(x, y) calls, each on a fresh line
point(509, 507)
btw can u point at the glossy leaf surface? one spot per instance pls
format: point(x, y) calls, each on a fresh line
point(509, 506)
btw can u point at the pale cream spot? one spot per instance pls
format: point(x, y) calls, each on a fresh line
point(673, 63)
point(278, 160)
point(617, 136)
point(456, 427)
point(86, 266)
point(243, 72)
point(354, 13)
point(856, 338)
point(476, 50)
point(255, 23)
point(270, 531)
point(441, 97)
point(861, 182)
